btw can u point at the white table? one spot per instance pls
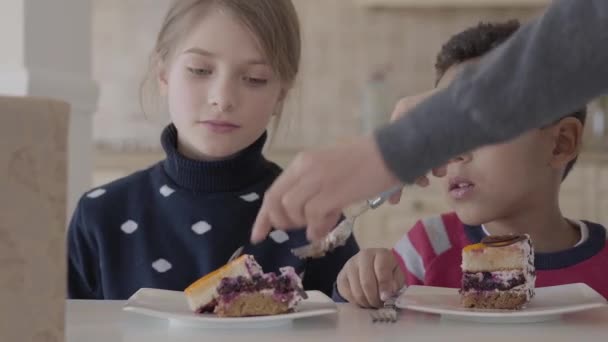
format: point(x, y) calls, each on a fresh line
point(104, 321)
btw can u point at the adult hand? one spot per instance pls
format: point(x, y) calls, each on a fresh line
point(318, 184)
point(402, 107)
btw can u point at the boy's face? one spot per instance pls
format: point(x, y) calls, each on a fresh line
point(498, 181)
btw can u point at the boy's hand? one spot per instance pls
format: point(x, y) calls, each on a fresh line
point(402, 107)
point(370, 277)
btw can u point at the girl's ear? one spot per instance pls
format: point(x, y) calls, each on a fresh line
point(283, 94)
point(281, 101)
point(162, 76)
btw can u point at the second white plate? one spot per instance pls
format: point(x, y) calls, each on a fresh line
point(549, 303)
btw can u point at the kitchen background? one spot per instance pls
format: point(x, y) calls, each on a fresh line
point(359, 57)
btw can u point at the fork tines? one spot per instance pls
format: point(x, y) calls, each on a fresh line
point(384, 315)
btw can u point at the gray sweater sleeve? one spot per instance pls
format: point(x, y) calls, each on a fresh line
point(550, 67)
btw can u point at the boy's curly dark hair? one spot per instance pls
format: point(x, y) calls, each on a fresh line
point(477, 41)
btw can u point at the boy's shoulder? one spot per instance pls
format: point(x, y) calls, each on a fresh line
point(594, 226)
point(432, 237)
point(438, 234)
point(433, 242)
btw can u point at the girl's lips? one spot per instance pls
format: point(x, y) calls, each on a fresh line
point(460, 188)
point(218, 126)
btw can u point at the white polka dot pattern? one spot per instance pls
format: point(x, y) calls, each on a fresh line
point(252, 197)
point(166, 190)
point(129, 227)
point(96, 193)
point(201, 227)
point(161, 265)
point(279, 236)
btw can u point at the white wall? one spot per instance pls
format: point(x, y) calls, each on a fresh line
point(46, 51)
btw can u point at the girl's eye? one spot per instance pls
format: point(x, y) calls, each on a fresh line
point(256, 81)
point(200, 71)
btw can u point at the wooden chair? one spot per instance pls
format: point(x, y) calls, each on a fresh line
point(33, 197)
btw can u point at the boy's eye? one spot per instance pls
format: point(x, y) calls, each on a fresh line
point(256, 81)
point(200, 71)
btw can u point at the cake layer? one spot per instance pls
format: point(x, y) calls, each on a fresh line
point(504, 300)
point(493, 256)
point(492, 259)
point(251, 304)
point(285, 288)
point(489, 281)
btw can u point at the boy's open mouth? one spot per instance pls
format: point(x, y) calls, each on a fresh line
point(460, 187)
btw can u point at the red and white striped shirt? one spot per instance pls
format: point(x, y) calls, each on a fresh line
point(430, 254)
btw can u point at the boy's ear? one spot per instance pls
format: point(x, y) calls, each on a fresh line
point(567, 141)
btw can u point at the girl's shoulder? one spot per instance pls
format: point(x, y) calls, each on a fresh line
point(131, 187)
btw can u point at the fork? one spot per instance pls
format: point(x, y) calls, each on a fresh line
point(343, 231)
point(388, 313)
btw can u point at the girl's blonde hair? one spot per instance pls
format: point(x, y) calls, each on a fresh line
point(274, 23)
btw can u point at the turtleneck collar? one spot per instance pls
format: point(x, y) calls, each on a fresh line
point(246, 168)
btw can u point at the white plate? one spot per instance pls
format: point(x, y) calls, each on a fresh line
point(549, 303)
point(172, 305)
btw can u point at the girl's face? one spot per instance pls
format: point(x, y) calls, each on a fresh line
point(221, 91)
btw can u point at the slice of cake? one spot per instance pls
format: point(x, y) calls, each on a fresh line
point(241, 288)
point(498, 273)
point(260, 295)
point(202, 294)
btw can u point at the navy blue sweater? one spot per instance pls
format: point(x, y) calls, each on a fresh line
point(166, 226)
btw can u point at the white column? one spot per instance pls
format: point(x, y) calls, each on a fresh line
point(46, 51)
